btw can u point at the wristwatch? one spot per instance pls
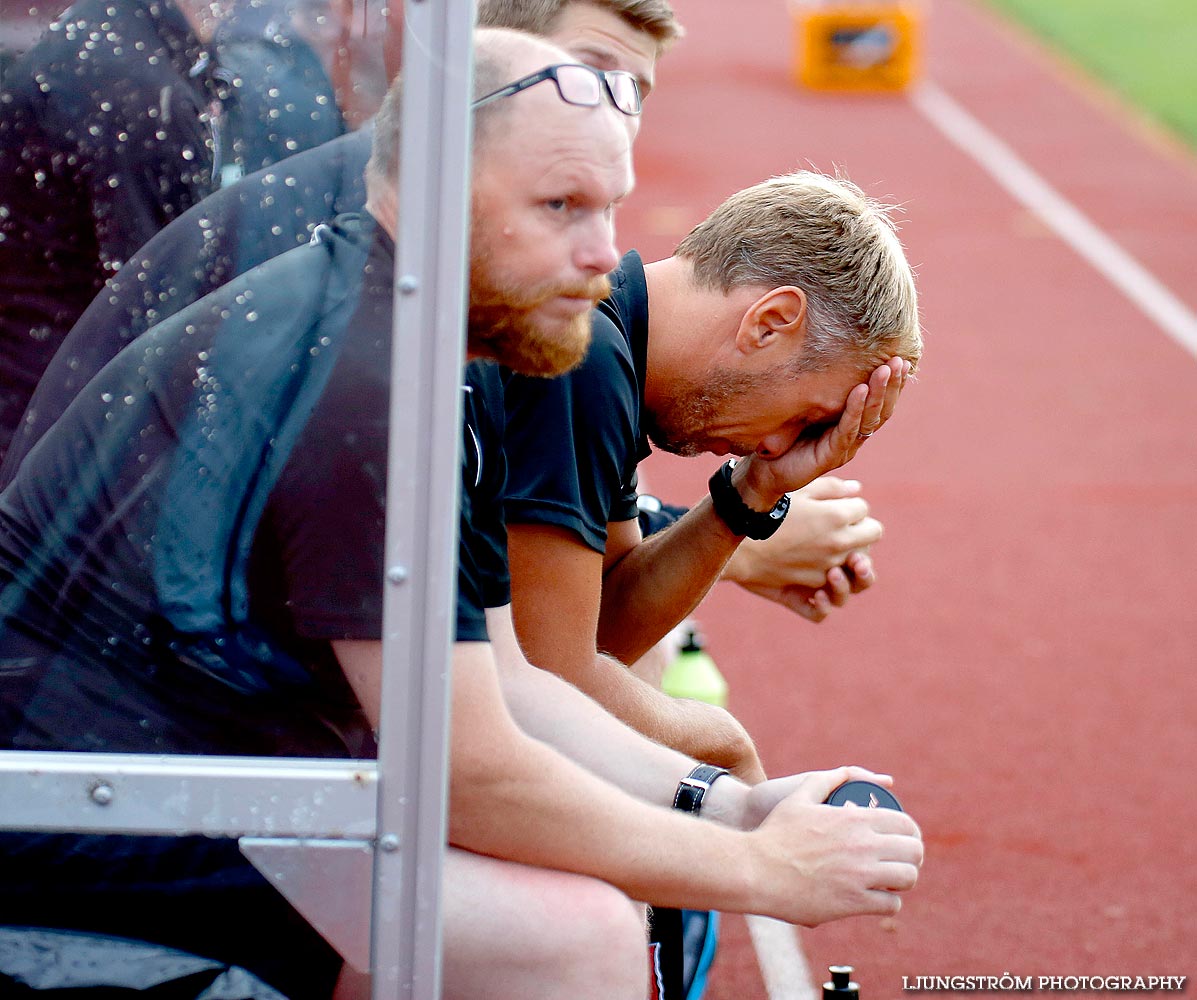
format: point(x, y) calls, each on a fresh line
point(736, 514)
point(692, 789)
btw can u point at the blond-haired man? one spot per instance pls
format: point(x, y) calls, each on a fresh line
point(775, 316)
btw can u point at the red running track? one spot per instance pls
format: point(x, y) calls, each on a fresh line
point(1027, 664)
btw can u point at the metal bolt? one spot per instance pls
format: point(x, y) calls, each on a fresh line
point(408, 284)
point(389, 842)
point(397, 574)
point(102, 794)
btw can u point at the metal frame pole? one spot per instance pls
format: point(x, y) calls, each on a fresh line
point(423, 481)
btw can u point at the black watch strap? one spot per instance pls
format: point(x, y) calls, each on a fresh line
point(736, 514)
point(692, 789)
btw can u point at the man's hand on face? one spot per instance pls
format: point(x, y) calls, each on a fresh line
point(868, 406)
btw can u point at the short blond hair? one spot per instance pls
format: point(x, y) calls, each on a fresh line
point(827, 237)
point(539, 17)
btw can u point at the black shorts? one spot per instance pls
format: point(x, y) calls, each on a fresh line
point(196, 894)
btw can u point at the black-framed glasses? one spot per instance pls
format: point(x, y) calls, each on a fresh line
point(578, 84)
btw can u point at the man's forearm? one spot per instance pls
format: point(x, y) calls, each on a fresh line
point(546, 810)
point(661, 580)
point(512, 796)
point(703, 732)
point(587, 734)
point(609, 707)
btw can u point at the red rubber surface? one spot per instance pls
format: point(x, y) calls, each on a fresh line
point(1027, 664)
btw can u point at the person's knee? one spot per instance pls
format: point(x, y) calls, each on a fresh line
point(606, 941)
point(517, 932)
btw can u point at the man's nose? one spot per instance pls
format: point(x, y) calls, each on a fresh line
point(597, 252)
point(776, 444)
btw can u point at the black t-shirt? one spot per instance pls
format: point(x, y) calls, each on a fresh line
point(178, 552)
point(106, 134)
point(483, 577)
point(235, 229)
point(573, 442)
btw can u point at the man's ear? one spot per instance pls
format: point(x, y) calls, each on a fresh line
point(775, 317)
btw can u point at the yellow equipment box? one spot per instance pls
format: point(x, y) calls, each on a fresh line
point(856, 46)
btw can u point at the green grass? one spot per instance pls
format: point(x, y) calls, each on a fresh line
point(1146, 50)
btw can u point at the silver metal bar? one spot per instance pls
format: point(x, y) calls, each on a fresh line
point(423, 478)
point(216, 796)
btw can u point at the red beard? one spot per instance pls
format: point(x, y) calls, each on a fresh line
point(502, 325)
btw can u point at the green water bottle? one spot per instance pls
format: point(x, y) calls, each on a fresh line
point(693, 673)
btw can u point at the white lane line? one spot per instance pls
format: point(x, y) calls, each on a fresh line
point(783, 966)
point(1065, 219)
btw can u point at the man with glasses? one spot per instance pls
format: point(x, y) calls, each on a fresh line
point(208, 580)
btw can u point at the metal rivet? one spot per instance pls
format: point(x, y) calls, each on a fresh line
point(102, 794)
point(389, 842)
